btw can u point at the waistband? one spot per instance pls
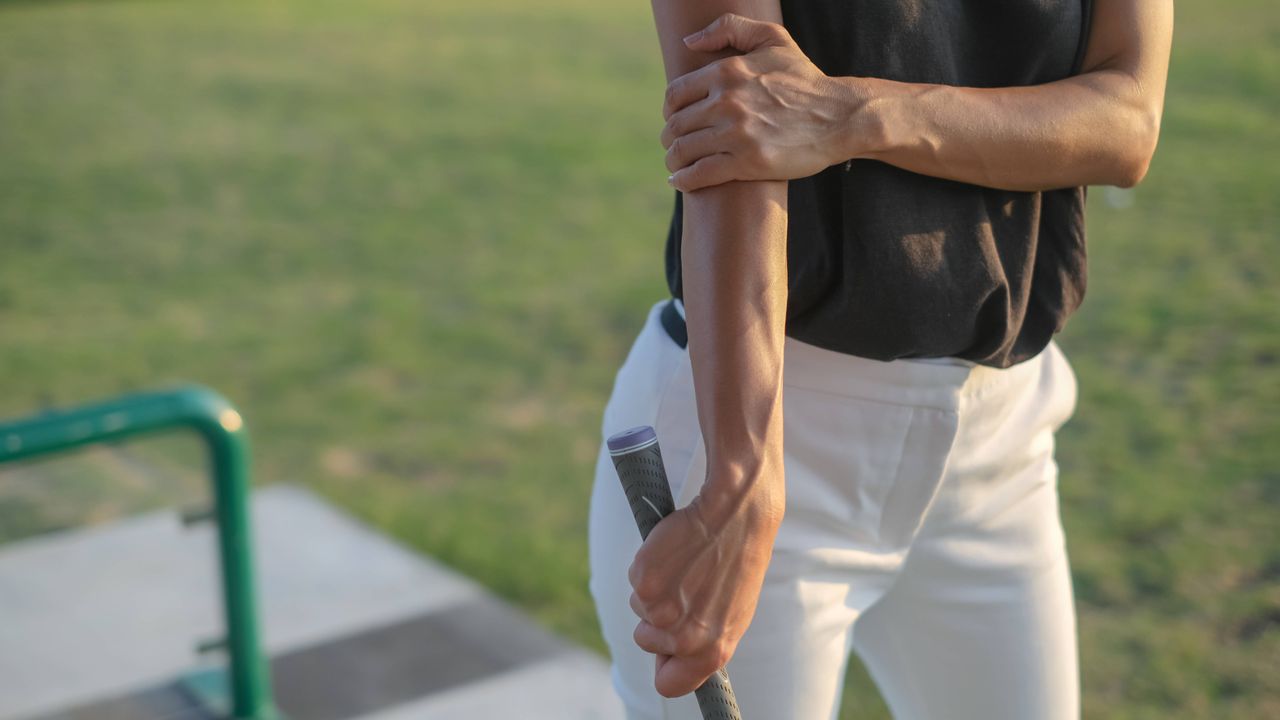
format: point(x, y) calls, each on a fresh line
point(939, 383)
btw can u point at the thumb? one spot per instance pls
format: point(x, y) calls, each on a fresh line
point(737, 32)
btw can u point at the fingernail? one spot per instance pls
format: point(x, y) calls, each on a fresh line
point(671, 180)
point(693, 37)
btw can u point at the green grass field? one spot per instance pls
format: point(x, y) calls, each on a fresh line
point(414, 240)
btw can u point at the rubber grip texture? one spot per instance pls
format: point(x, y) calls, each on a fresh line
point(644, 481)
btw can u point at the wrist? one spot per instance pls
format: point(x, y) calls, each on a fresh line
point(748, 487)
point(867, 127)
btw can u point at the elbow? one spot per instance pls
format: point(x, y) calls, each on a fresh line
point(1131, 172)
point(1140, 136)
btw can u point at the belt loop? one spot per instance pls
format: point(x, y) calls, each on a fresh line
point(674, 324)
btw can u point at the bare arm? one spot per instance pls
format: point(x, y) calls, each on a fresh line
point(698, 576)
point(778, 116)
point(1097, 128)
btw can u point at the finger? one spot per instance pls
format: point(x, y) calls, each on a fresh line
point(654, 640)
point(688, 149)
point(682, 675)
point(662, 560)
point(649, 580)
point(637, 607)
point(690, 118)
point(683, 640)
point(688, 89)
point(659, 661)
point(709, 171)
point(662, 615)
point(738, 32)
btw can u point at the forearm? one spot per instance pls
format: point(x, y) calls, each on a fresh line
point(733, 260)
point(1093, 129)
point(735, 295)
point(1096, 128)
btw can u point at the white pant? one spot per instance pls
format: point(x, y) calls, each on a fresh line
point(921, 530)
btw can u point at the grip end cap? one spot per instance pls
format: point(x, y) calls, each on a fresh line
point(631, 440)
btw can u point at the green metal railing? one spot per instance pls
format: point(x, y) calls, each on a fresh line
point(222, 430)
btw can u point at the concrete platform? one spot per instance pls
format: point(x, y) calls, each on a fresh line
point(96, 624)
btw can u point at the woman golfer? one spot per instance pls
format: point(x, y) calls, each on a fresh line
point(878, 230)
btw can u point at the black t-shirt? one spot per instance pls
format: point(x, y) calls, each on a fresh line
point(885, 263)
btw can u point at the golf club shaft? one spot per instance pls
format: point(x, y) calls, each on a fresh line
point(638, 460)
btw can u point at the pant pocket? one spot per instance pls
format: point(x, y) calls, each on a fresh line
point(928, 444)
point(843, 457)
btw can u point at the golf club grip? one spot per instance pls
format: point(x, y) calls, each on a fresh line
point(638, 460)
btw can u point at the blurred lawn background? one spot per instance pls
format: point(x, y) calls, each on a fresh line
point(413, 242)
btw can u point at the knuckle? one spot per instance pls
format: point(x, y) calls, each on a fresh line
point(669, 97)
point(733, 134)
point(647, 641)
point(663, 615)
point(720, 656)
point(706, 666)
point(693, 640)
point(647, 589)
point(646, 592)
point(684, 644)
point(735, 109)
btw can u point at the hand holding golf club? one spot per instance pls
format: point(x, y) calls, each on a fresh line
point(696, 579)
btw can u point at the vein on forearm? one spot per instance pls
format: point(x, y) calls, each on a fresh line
point(735, 288)
point(1098, 127)
point(1079, 131)
point(733, 260)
